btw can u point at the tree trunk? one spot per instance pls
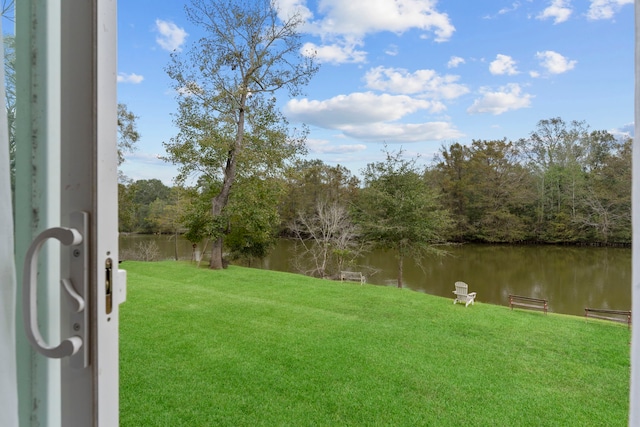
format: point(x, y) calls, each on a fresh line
point(216, 263)
point(175, 244)
point(400, 269)
point(220, 201)
point(216, 255)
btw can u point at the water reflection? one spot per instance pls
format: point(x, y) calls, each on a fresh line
point(571, 278)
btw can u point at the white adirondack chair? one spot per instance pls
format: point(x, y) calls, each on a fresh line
point(462, 294)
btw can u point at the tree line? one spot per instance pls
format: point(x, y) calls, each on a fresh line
point(561, 184)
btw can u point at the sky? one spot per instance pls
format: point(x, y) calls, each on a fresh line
point(416, 75)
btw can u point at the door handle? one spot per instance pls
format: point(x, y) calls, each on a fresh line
point(74, 288)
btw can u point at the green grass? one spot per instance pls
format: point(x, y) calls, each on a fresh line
point(248, 347)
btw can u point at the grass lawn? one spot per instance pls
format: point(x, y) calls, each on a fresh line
point(249, 347)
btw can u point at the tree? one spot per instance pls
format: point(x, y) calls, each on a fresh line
point(228, 121)
point(553, 153)
point(452, 176)
point(327, 237)
point(137, 199)
point(312, 182)
point(606, 206)
point(196, 216)
point(126, 208)
point(487, 189)
point(565, 157)
point(501, 193)
point(165, 215)
point(128, 137)
point(128, 134)
point(253, 218)
point(398, 211)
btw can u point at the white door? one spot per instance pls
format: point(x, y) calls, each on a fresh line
point(76, 65)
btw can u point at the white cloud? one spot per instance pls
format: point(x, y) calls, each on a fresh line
point(605, 9)
point(358, 108)
point(392, 50)
point(559, 10)
point(534, 74)
point(343, 25)
point(367, 116)
point(361, 17)
point(288, 8)
point(171, 36)
point(503, 64)
point(321, 146)
point(425, 82)
point(554, 62)
point(507, 98)
point(514, 7)
point(144, 157)
point(130, 78)
point(336, 53)
point(404, 132)
point(624, 132)
point(455, 61)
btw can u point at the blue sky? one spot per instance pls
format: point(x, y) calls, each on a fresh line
point(416, 74)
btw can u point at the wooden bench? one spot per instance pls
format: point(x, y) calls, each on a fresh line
point(353, 276)
point(528, 302)
point(614, 315)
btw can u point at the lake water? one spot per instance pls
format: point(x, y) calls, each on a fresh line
point(571, 278)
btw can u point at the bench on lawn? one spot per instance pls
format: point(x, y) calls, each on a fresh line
point(352, 276)
point(614, 315)
point(528, 302)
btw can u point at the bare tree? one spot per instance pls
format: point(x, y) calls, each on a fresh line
point(327, 240)
point(7, 10)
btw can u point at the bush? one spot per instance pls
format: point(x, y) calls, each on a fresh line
point(143, 251)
